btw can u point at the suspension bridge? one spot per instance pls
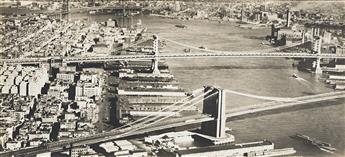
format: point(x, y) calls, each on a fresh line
point(266, 53)
point(152, 123)
point(202, 53)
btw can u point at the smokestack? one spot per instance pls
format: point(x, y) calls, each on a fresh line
point(303, 36)
point(288, 18)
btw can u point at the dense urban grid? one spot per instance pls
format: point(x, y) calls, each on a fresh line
point(75, 85)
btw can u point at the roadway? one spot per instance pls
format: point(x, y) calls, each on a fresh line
point(304, 100)
point(171, 123)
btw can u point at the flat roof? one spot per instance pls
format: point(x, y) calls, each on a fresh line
point(223, 147)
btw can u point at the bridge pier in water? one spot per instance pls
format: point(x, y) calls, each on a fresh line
point(318, 69)
point(316, 48)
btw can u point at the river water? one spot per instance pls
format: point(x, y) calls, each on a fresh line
point(261, 76)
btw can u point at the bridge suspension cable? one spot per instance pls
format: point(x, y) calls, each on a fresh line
point(156, 117)
point(218, 51)
point(166, 117)
point(164, 109)
point(258, 96)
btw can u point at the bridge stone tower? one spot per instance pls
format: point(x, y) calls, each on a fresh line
point(316, 48)
point(65, 9)
point(155, 61)
point(214, 106)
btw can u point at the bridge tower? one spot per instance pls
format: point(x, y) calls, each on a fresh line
point(65, 9)
point(214, 106)
point(123, 5)
point(316, 47)
point(155, 61)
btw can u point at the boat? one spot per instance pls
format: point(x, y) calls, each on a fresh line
point(180, 26)
point(326, 150)
point(92, 12)
point(326, 147)
point(294, 76)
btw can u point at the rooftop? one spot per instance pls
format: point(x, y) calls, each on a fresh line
point(223, 147)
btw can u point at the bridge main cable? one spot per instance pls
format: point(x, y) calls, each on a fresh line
point(174, 109)
point(166, 117)
point(165, 108)
point(219, 51)
point(259, 97)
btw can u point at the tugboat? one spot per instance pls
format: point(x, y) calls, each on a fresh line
point(180, 26)
point(92, 12)
point(326, 147)
point(294, 76)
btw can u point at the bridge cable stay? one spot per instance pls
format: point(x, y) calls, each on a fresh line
point(174, 109)
point(165, 108)
point(259, 97)
point(181, 109)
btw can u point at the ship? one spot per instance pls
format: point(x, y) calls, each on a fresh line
point(326, 147)
point(180, 26)
point(92, 12)
point(294, 76)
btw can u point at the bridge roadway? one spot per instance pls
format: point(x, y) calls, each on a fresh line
point(167, 56)
point(171, 123)
point(303, 100)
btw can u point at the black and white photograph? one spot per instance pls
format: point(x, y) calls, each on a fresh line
point(172, 78)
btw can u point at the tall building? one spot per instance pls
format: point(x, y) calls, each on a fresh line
point(23, 88)
point(274, 33)
point(214, 106)
point(316, 44)
point(68, 77)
